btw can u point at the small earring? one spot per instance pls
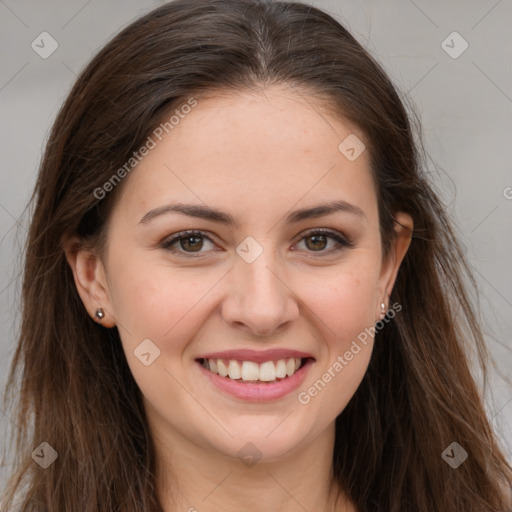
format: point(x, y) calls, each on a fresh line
point(382, 310)
point(99, 314)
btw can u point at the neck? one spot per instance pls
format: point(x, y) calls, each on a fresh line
point(193, 478)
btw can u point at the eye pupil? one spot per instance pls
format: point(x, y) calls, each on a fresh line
point(195, 246)
point(316, 237)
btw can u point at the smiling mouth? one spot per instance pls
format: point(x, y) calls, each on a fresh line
point(250, 372)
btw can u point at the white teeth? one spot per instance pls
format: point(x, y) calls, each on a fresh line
point(234, 370)
point(250, 371)
point(267, 371)
point(281, 369)
point(222, 368)
point(212, 365)
point(290, 366)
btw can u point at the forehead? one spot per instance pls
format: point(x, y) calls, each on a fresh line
point(254, 152)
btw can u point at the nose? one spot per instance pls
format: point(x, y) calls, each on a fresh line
point(259, 297)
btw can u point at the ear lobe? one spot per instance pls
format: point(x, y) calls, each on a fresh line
point(89, 276)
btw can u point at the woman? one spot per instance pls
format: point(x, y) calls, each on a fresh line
point(240, 291)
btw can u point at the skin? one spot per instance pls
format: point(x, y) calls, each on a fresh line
point(256, 156)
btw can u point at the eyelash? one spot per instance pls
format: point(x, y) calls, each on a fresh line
point(342, 242)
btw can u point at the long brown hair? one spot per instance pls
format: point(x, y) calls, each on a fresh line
point(76, 390)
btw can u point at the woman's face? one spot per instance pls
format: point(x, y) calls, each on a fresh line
point(268, 282)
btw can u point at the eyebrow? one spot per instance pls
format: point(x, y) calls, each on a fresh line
point(212, 214)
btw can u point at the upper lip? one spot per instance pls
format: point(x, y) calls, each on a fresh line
point(256, 356)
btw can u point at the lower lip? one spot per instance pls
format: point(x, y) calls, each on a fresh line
point(253, 392)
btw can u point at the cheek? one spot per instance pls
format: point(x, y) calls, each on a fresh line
point(152, 300)
point(344, 300)
point(344, 305)
point(157, 304)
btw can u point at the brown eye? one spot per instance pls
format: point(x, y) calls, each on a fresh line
point(318, 240)
point(193, 243)
point(189, 242)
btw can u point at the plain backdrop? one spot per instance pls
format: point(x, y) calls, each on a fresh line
point(463, 95)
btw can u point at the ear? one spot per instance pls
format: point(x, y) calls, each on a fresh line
point(403, 235)
point(90, 280)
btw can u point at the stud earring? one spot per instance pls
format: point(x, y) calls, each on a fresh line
point(99, 314)
point(382, 310)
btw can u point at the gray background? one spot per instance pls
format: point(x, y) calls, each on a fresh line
point(465, 104)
